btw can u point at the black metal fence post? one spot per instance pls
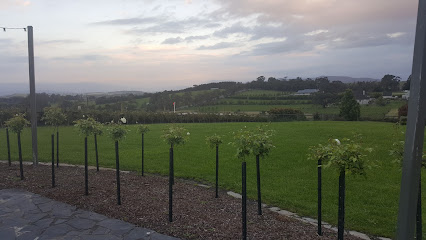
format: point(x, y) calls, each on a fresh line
point(21, 168)
point(57, 148)
point(117, 166)
point(8, 147)
point(341, 212)
point(217, 170)
point(172, 163)
point(171, 185)
point(244, 200)
point(86, 170)
point(319, 197)
point(96, 152)
point(142, 154)
point(53, 160)
point(259, 197)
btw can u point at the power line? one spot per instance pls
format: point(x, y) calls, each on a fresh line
point(4, 28)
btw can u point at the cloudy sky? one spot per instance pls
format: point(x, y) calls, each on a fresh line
point(168, 44)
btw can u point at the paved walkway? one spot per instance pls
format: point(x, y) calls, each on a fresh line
point(25, 215)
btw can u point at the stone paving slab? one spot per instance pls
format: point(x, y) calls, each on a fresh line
point(25, 215)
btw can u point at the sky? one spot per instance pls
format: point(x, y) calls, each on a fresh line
point(155, 45)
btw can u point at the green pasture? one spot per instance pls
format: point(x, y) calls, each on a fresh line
point(371, 111)
point(289, 180)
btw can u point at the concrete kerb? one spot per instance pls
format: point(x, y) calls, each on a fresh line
point(309, 220)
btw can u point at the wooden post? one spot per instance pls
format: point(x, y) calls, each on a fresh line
point(217, 170)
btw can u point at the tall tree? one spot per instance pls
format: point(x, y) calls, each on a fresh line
point(390, 82)
point(349, 107)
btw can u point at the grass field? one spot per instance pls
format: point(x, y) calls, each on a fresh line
point(289, 180)
point(371, 111)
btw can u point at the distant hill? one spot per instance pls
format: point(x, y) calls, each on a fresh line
point(346, 79)
point(66, 89)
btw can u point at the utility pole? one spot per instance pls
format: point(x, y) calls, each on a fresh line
point(33, 104)
point(414, 135)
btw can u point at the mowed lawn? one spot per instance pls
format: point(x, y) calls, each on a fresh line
point(289, 180)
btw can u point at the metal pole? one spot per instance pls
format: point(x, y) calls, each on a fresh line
point(32, 94)
point(117, 166)
point(414, 134)
point(53, 160)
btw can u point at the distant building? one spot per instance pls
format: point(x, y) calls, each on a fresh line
point(406, 95)
point(387, 95)
point(306, 92)
point(362, 98)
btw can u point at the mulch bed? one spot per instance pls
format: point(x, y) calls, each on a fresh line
point(197, 214)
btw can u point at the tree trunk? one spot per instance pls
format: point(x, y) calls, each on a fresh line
point(8, 147)
point(341, 212)
point(259, 195)
point(419, 230)
point(53, 160)
point(171, 185)
point(319, 197)
point(86, 170)
point(244, 200)
point(217, 170)
point(143, 154)
point(21, 168)
point(96, 153)
point(57, 148)
point(117, 166)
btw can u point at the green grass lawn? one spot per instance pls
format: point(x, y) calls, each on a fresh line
point(289, 180)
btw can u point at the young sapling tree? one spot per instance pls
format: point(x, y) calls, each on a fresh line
point(320, 153)
point(261, 147)
point(86, 127)
point(143, 129)
point(55, 117)
point(243, 143)
point(346, 156)
point(97, 131)
point(173, 135)
point(16, 125)
point(214, 141)
point(117, 133)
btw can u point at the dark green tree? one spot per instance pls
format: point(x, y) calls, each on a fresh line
point(390, 82)
point(349, 107)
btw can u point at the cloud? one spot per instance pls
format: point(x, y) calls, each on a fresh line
point(277, 47)
point(5, 4)
point(173, 40)
point(188, 39)
point(86, 57)
point(59, 41)
point(255, 32)
point(160, 24)
point(130, 21)
point(316, 32)
point(396, 34)
point(220, 45)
